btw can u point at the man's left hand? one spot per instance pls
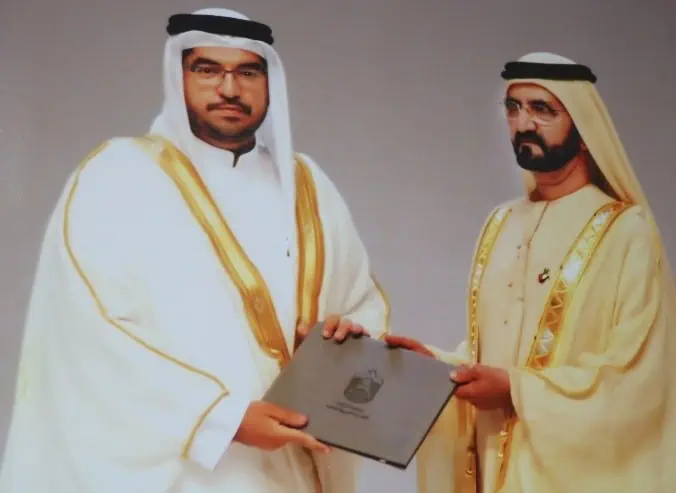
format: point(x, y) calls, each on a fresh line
point(484, 387)
point(336, 327)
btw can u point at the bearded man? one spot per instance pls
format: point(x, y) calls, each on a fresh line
point(568, 367)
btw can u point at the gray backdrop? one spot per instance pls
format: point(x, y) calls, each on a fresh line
point(396, 99)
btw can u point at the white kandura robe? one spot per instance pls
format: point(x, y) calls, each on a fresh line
point(97, 409)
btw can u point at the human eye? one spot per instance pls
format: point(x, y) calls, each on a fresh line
point(249, 73)
point(511, 106)
point(542, 108)
point(206, 70)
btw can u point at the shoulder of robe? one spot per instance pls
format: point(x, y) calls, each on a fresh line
point(117, 174)
point(632, 227)
point(320, 177)
point(502, 207)
point(331, 201)
point(116, 159)
point(508, 204)
point(324, 185)
point(631, 236)
point(115, 164)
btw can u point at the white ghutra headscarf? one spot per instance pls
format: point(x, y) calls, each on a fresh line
point(274, 133)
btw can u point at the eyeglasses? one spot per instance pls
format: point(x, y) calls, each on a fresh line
point(538, 111)
point(215, 75)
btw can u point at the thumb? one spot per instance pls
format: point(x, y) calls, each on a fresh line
point(304, 440)
point(287, 417)
point(465, 373)
point(400, 341)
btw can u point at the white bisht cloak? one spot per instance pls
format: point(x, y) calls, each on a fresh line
point(148, 333)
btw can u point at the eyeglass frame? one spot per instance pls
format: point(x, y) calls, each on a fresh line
point(533, 114)
point(219, 77)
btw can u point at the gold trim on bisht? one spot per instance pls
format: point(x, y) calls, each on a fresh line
point(258, 305)
point(552, 321)
point(224, 392)
point(483, 254)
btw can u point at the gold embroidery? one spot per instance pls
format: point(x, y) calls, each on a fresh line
point(481, 259)
point(102, 309)
point(200, 421)
point(553, 317)
point(562, 291)
point(386, 302)
point(310, 247)
point(258, 305)
point(310, 263)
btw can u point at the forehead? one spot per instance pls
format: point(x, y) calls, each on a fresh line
point(531, 92)
point(225, 55)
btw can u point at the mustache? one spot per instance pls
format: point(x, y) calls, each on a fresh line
point(245, 108)
point(530, 137)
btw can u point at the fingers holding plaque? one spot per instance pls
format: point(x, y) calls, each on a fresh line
point(364, 396)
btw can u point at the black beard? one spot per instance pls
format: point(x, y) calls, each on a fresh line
point(203, 127)
point(553, 158)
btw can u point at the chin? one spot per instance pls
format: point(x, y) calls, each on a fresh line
point(531, 153)
point(230, 122)
point(230, 130)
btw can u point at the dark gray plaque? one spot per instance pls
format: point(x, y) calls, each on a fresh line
point(364, 397)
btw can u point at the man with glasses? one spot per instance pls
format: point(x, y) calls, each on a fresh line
point(179, 272)
point(569, 364)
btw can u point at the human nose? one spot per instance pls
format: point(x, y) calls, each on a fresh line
point(229, 86)
point(524, 122)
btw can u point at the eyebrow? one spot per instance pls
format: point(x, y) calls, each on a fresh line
point(540, 101)
point(208, 61)
point(511, 99)
point(203, 61)
point(252, 65)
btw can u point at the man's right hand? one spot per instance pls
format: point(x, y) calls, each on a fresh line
point(269, 427)
point(406, 343)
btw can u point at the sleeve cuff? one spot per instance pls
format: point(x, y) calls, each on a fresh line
point(448, 357)
point(438, 354)
point(458, 357)
point(218, 430)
